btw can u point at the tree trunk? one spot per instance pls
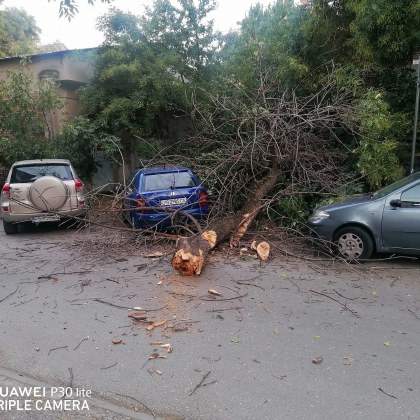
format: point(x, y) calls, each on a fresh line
point(190, 253)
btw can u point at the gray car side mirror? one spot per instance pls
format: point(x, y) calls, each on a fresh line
point(395, 203)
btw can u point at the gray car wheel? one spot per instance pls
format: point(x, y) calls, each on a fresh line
point(354, 243)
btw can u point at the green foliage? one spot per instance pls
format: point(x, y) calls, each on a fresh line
point(290, 211)
point(19, 33)
point(148, 148)
point(24, 108)
point(379, 128)
point(148, 68)
point(385, 32)
point(184, 31)
point(266, 47)
point(12, 150)
point(78, 141)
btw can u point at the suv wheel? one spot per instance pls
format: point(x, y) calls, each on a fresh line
point(354, 243)
point(10, 228)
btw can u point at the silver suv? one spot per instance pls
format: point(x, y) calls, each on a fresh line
point(38, 191)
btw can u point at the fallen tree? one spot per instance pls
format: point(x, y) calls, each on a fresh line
point(261, 151)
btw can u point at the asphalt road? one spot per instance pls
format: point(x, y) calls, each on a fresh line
point(287, 339)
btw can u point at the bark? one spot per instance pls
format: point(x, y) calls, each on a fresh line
point(190, 253)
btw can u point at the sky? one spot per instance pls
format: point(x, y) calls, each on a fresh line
point(81, 31)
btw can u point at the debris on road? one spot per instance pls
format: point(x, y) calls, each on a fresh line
point(317, 360)
point(214, 292)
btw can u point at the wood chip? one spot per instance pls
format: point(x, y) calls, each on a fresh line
point(154, 254)
point(116, 340)
point(139, 315)
point(214, 292)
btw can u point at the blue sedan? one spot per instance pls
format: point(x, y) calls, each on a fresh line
point(387, 221)
point(160, 198)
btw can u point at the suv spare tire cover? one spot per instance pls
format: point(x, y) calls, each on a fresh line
point(48, 193)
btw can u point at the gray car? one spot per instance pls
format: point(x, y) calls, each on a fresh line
point(387, 221)
point(40, 191)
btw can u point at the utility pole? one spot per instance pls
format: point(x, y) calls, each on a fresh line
point(416, 115)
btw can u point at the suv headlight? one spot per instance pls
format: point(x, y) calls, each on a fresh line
point(319, 215)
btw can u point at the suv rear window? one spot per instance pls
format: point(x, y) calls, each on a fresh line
point(167, 181)
point(30, 173)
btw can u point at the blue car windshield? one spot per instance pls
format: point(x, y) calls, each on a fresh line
point(396, 185)
point(168, 181)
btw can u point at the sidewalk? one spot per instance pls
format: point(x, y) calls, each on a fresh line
point(42, 401)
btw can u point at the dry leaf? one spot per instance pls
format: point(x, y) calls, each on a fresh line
point(253, 245)
point(159, 323)
point(154, 254)
point(263, 250)
point(317, 360)
point(214, 292)
point(116, 340)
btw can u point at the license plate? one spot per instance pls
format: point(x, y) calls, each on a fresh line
point(46, 218)
point(173, 201)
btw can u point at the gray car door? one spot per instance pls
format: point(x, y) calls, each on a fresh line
point(401, 225)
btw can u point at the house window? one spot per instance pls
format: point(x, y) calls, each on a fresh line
point(49, 74)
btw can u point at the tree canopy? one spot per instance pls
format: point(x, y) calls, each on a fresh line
point(348, 60)
point(19, 32)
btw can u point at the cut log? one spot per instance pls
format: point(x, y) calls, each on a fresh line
point(190, 253)
point(263, 250)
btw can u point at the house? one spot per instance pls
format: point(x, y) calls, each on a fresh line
point(72, 69)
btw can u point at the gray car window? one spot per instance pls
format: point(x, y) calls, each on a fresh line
point(396, 185)
point(30, 173)
point(413, 194)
